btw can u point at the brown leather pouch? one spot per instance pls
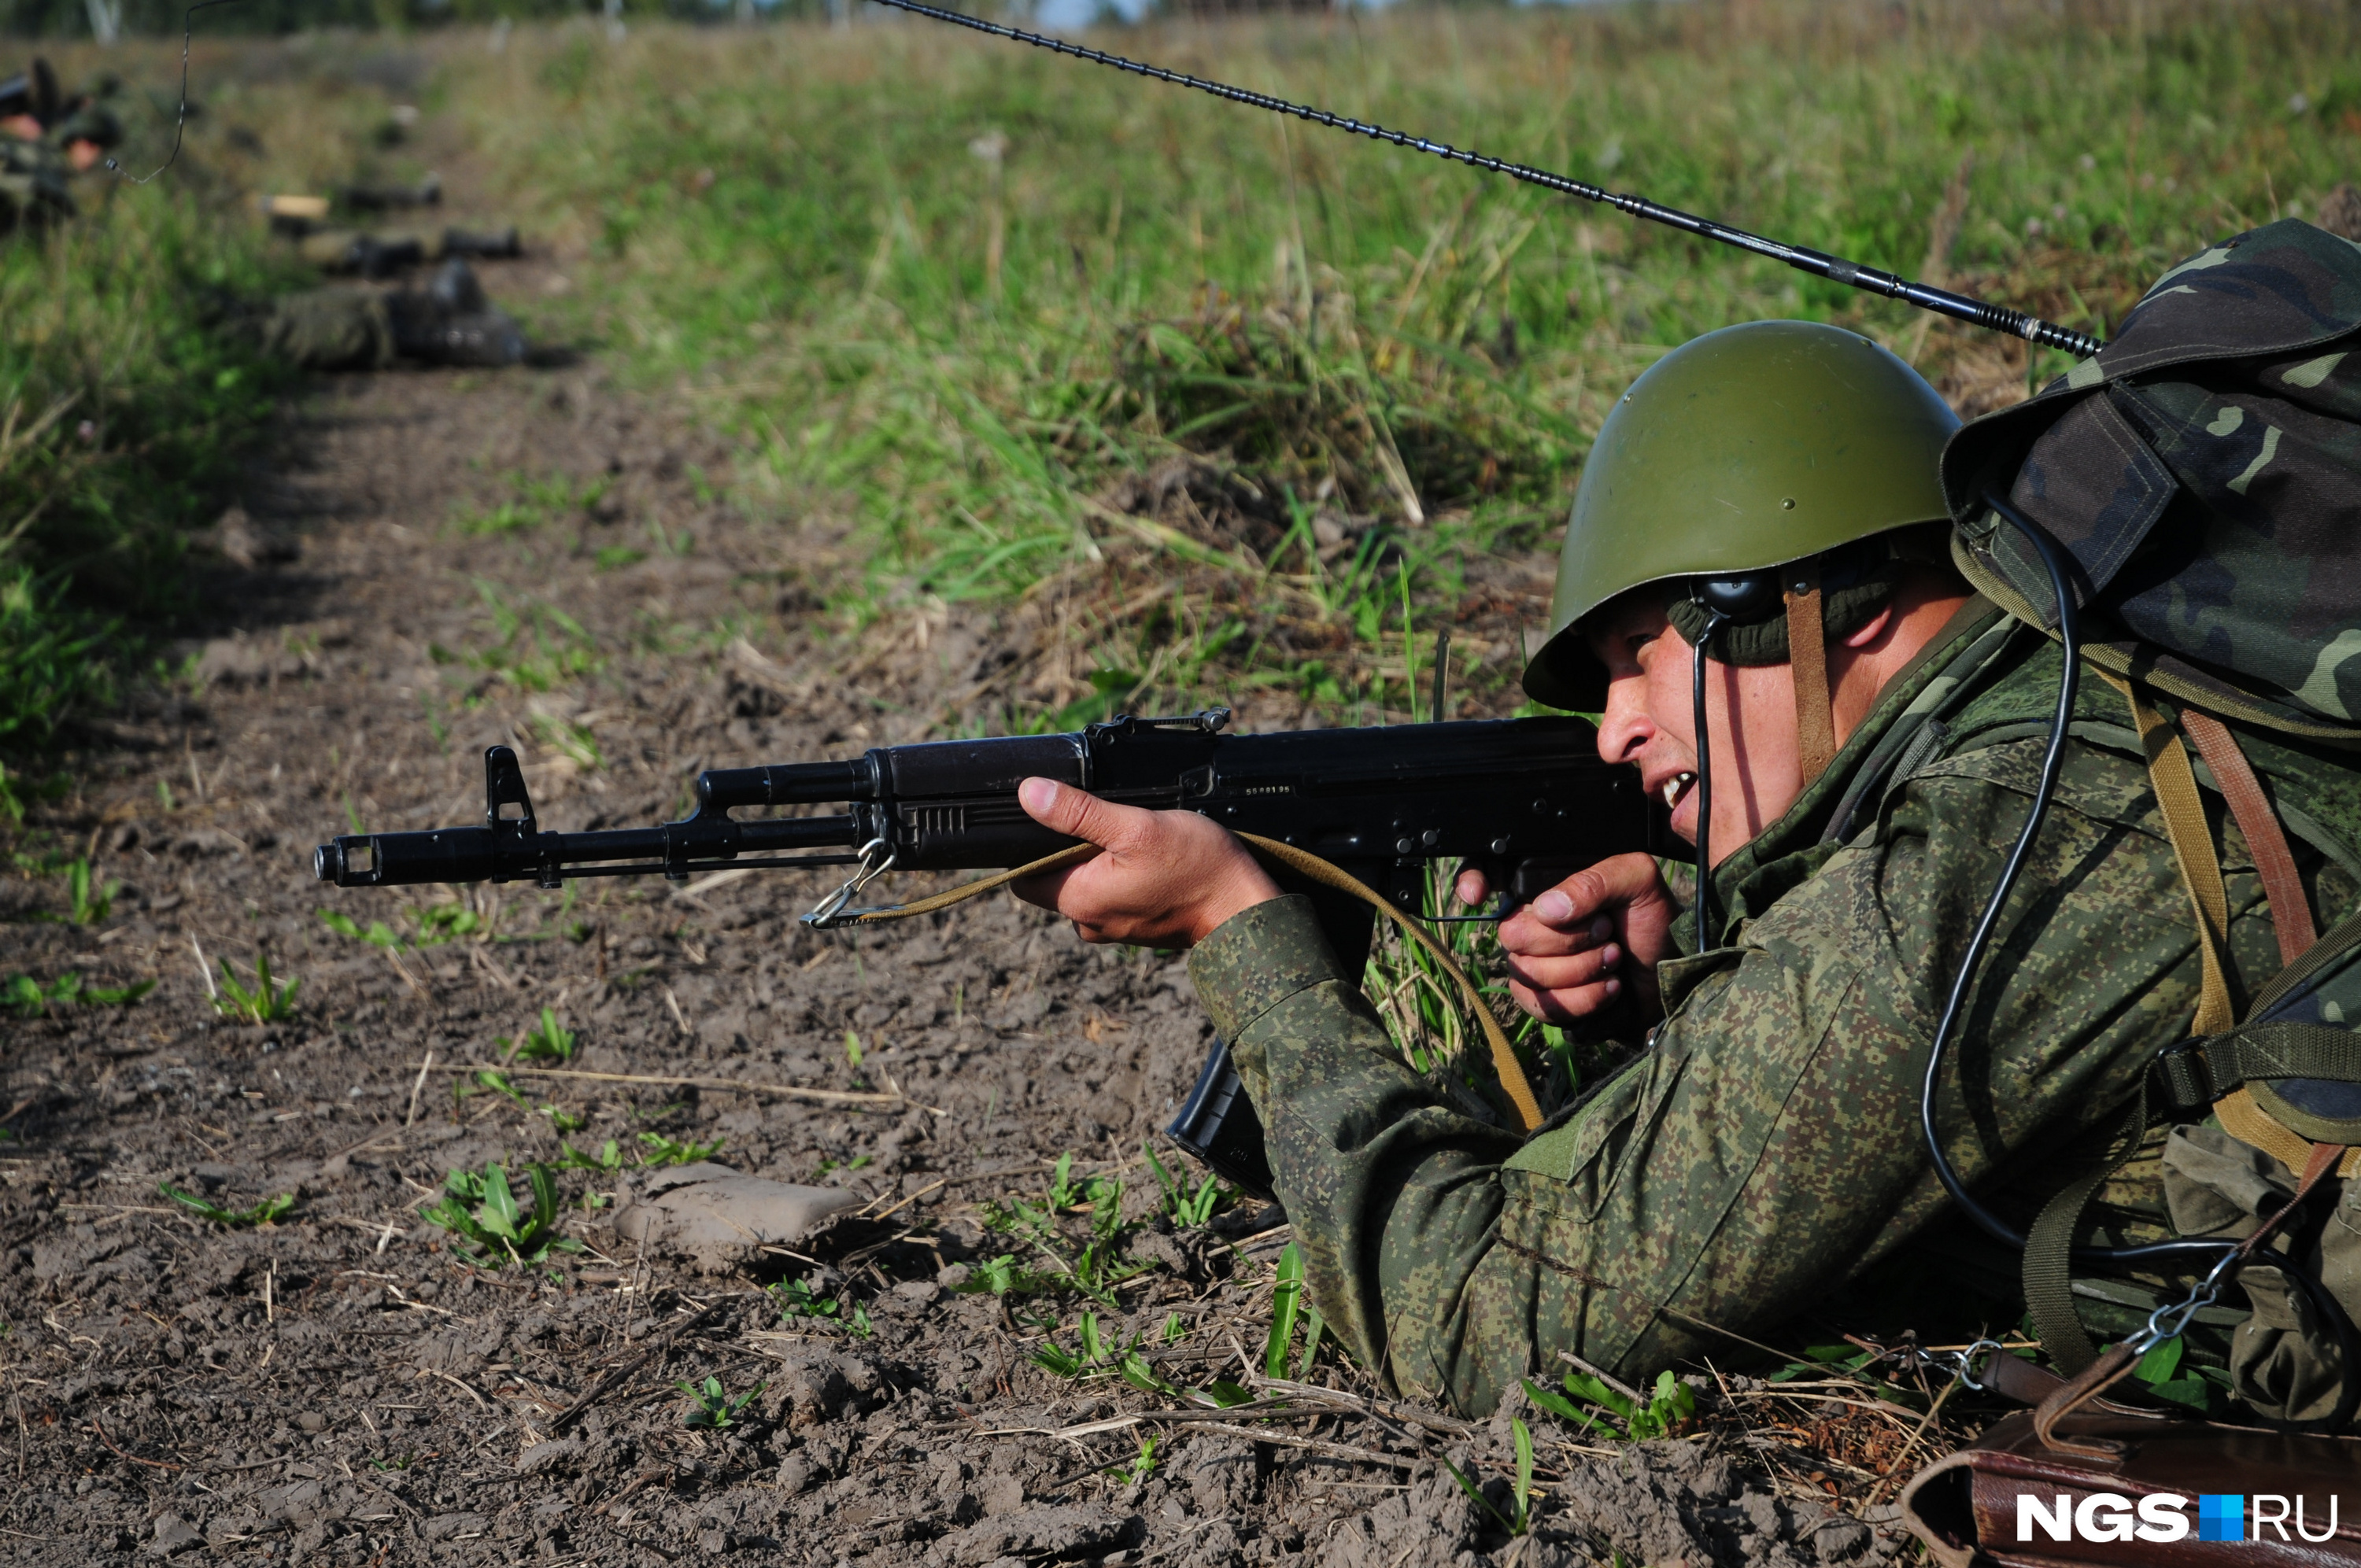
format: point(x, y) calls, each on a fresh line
point(1966, 1508)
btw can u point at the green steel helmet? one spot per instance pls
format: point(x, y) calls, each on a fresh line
point(1742, 450)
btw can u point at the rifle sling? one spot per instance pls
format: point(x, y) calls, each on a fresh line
point(1504, 1058)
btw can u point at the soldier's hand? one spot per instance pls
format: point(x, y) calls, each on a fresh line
point(1167, 879)
point(1573, 950)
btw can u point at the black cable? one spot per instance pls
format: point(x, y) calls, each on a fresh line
point(181, 126)
point(1703, 903)
point(2069, 639)
point(1977, 312)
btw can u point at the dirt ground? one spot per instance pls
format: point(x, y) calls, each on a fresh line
point(343, 1387)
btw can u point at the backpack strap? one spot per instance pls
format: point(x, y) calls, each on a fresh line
point(2274, 862)
point(2049, 1243)
point(2050, 1249)
point(2211, 1069)
point(2175, 783)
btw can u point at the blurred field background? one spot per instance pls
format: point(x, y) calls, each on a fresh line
point(1252, 409)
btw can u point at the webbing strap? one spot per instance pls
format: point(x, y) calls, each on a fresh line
point(2104, 1373)
point(2274, 862)
point(2206, 1072)
point(1504, 1058)
point(2175, 783)
point(2049, 1243)
point(1807, 661)
point(2049, 1251)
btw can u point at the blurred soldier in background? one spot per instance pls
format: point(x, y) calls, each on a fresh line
point(44, 142)
point(449, 321)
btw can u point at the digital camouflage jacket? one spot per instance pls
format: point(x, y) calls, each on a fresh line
point(1765, 1149)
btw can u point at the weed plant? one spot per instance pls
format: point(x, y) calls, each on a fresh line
point(481, 1211)
point(545, 1041)
point(1662, 1412)
point(1188, 1207)
point(266, 1001)
point(267, 1212)
point(664, 1151)
point(30, 998)
point(1518, 1520)
point(1287, 1304)
point(710, 1406)
point(1086, 1255)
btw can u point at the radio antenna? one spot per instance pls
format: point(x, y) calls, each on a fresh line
point(1943, 302)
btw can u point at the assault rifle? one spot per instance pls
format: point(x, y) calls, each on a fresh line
point(1525, 800)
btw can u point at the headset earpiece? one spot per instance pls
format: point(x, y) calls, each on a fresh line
point(1742, 598)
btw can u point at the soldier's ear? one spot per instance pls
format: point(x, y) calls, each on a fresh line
point(1866, 634)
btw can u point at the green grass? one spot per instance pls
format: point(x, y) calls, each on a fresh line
point(977, 359)
point(124, 413)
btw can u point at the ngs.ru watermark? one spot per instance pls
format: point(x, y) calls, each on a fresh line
point(2163, 1516)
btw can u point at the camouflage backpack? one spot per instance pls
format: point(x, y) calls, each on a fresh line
point(2203, 472)
point(2203, 469)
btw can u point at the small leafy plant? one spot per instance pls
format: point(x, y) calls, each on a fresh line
point(664, 1151)
point(437, 924)
point(267, 1212)
point(1286, 1307)
point(1189, 1210)
point(1671, 1403)
point(609, 1157)
point(1002, 1275)
point(798, 1299)
point(1519, 1520)
point(545, 1041)
point(379, 935)
point(92, 901)
point(483, 1213)
point(1094, 1267)
point(2166, 1378)
point(28, 998)
point(484, 1078)
point(713, 1407)
point(1099, 1356)
point(1142, 1466)
point(269, 1001)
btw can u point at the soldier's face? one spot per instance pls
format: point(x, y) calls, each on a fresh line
point(1649, 722)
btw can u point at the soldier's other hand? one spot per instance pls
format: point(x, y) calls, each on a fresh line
point(1167, 879)
point(1576, 950)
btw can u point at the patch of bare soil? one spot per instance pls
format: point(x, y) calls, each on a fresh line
point(343, 1387)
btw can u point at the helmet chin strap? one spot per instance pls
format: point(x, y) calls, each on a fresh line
point(1808, 658)
point(1715, 619)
